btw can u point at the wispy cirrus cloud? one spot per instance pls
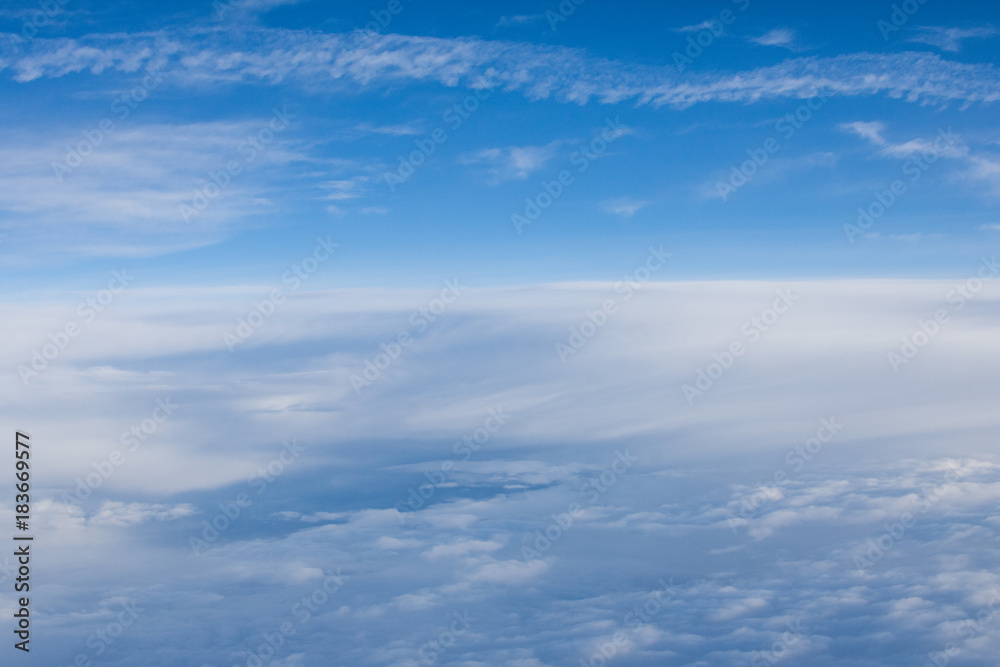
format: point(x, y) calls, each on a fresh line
point(981, 166)
point(872, 131)
point(696, 27)
point(624, 206)
point(538, 72)
point(519, 20)
point(512, 162)
point(946, 144)
point(916, 237)
point(951, 39)
point(397, 130)
point(133, 184)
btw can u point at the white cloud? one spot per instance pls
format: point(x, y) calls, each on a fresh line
point(263, 5)
point(624, 206)
point(120, 515)
point(230, 10)
point(398, 130)
point(697, 27)
point(519, 20)
point(461, 551)
point(950, 39)
point(983, 167)
point(925, 146)
point(739, 608)
point(513, 162)
point(549, 398)
point(986, 168)
point(905, 238)
point(124, 199)
point(463, 548)
point(783, 37)
point(344, 189)
point(567, 75)
point(509, 572)
point(872, 131)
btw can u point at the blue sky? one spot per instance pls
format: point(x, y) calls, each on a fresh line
point(327, 172)
point(482, 329)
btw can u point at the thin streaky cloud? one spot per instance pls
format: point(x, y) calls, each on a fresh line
point(624, 206)
point(398, 130)
point(951, 39)
point(697, 27)
point(872, 131)
point(538, 72)
point(519, 20)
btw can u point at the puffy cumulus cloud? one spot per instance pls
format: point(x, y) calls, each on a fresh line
point(605, 515)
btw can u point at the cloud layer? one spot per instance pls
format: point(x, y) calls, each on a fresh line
point(481, 490)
